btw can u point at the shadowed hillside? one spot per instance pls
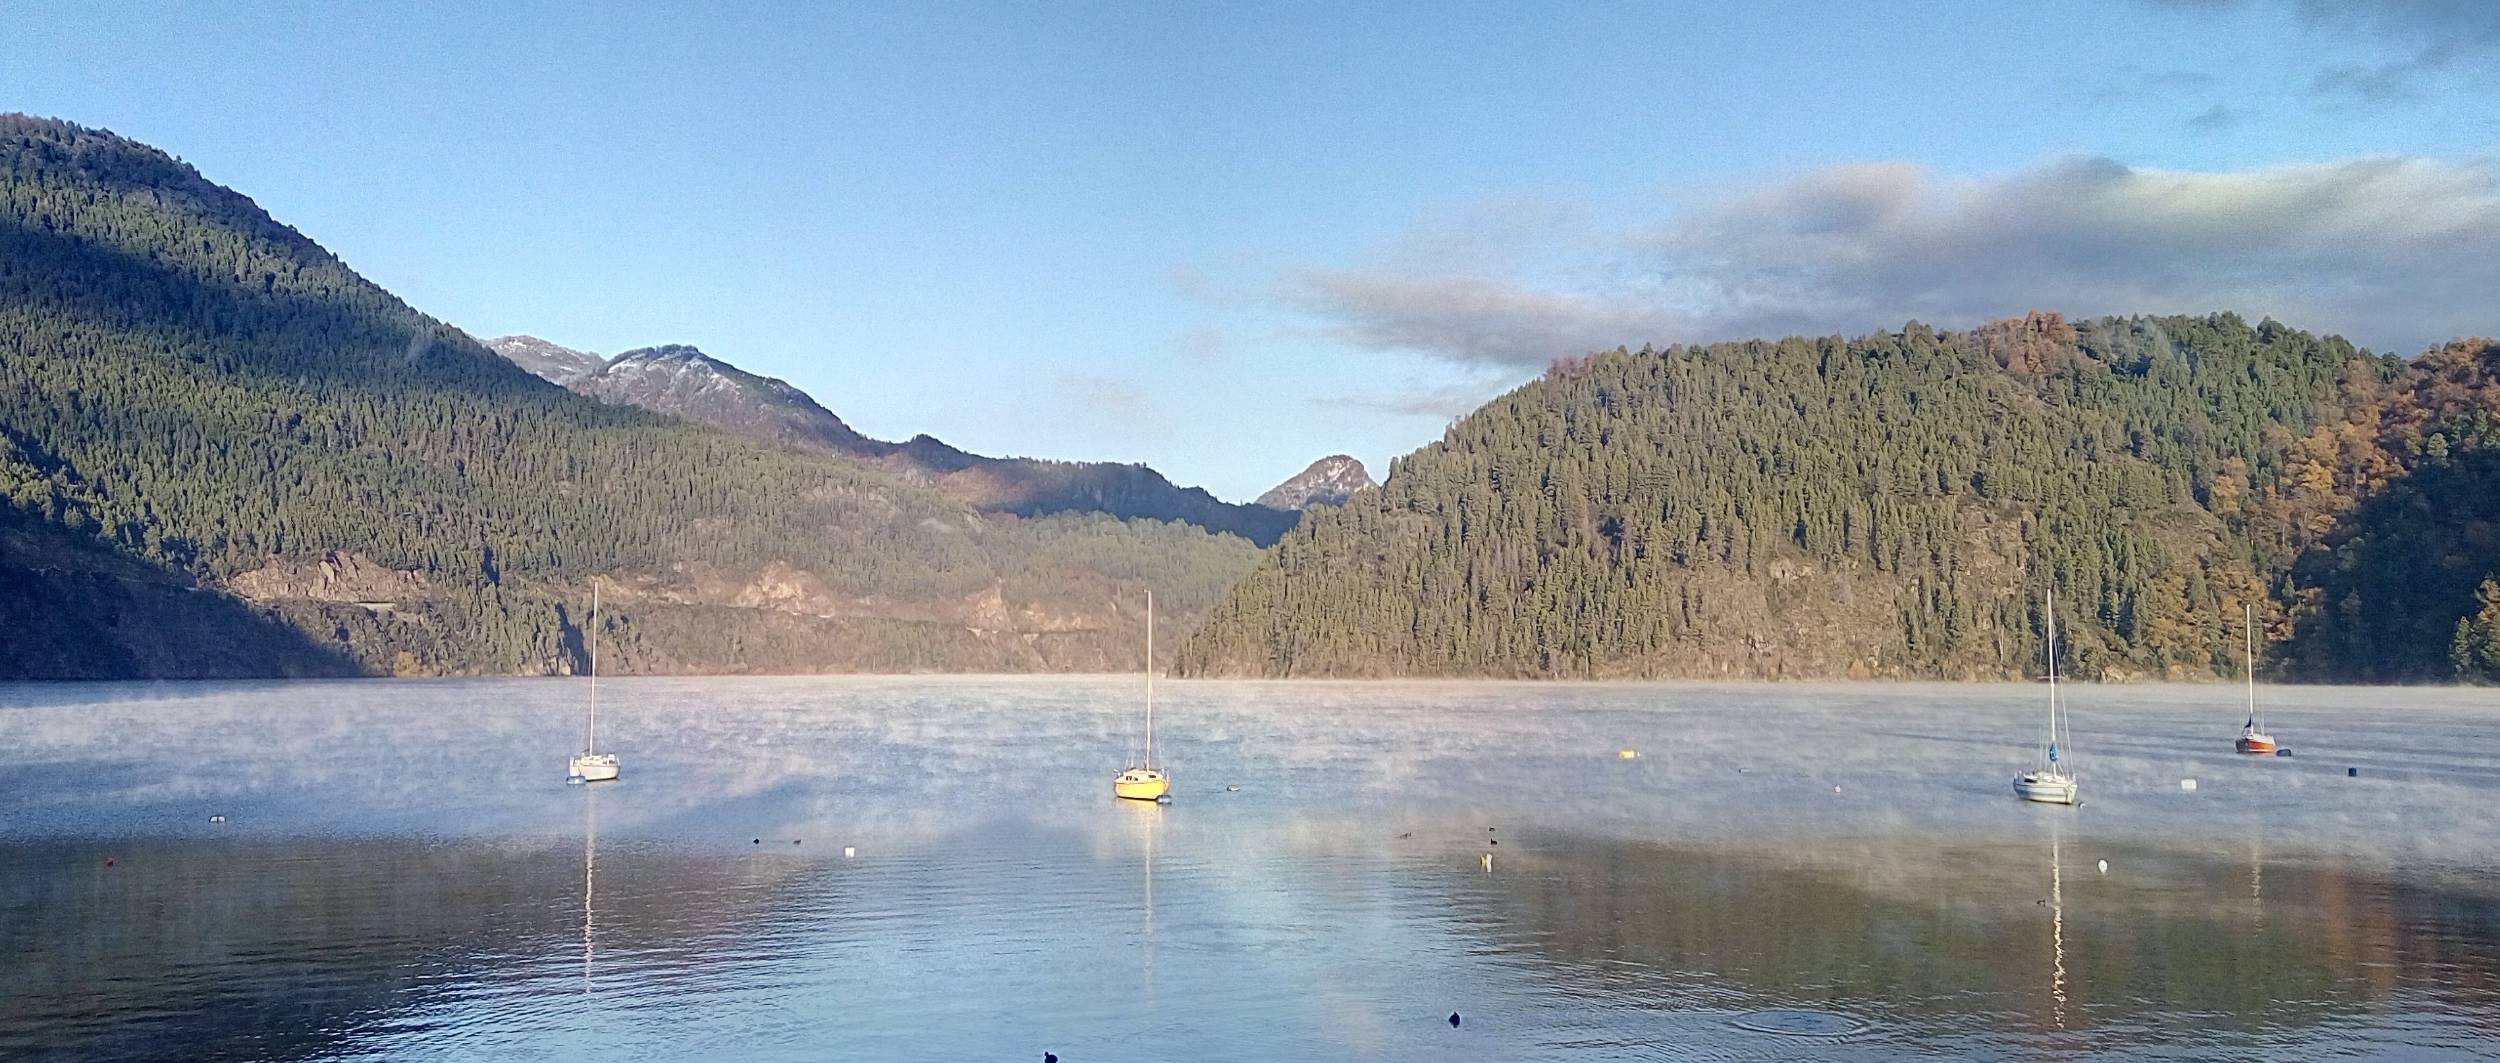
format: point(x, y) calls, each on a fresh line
point(76, 608)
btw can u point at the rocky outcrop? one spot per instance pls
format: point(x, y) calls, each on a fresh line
point(1327, 482)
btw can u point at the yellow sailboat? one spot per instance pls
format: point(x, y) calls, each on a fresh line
point(1144, 782)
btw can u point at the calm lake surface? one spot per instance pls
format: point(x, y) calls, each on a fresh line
point(402, 874)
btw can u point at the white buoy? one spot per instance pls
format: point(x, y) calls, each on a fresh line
point(2188, 785)
point(1628, 754)
point(2105, 867)
point(1487, 860)
point(848, 851)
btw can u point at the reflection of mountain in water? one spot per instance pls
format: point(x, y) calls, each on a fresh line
point(275, 950)
point(1965, 941)
point(1003, 901)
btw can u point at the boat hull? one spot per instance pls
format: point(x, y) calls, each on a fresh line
point(1141, 785)
point(2256, 744)
point(595, 767)
point(2046, 789)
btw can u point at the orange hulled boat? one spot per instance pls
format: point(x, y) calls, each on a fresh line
point(2253, 737)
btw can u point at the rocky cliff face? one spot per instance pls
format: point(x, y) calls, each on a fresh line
point(1327, 482)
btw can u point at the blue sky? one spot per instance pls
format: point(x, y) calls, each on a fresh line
point(1228, 239)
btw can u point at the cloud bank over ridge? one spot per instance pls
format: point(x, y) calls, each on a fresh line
point(2394, 252)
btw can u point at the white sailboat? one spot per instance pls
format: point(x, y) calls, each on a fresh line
point(2253, 735)
point(2050, 782)
point(590, 765)
point(1145, 782)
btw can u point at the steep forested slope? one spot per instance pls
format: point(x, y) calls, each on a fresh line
point(1894, 505)
point(191, 383)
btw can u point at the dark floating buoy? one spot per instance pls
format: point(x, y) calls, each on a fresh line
point(1050, 1057)
point(1496, 841)
point(2352, 773)
point(794, 841)
point(2282, 752)
point(759, 841)
point(1453, 1018)
point(1408, 834)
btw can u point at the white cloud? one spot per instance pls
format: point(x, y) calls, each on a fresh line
point(2390, 251)
point(1472, 318)
point(1444, 402)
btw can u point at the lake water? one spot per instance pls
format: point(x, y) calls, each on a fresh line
point(1783, 872)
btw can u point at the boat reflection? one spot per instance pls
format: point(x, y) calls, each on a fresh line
point(590, 869)
point(2057, 930)
point(1146, 822)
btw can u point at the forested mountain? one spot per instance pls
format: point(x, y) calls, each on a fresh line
point(1895, 505)
point(200, 405)
point(681, 381)
point(1326, 482)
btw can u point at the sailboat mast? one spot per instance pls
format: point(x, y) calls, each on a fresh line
point(2049, 751)
point(1150, 679)
point(593, 745)
point(2248, 614)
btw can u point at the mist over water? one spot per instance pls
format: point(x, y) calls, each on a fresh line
point(401, 872)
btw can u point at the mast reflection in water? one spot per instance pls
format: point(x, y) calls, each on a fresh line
point(1334, 907)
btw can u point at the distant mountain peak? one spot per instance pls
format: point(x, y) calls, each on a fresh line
point(551, 362)
point(1327, 482)
point(680, 380)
